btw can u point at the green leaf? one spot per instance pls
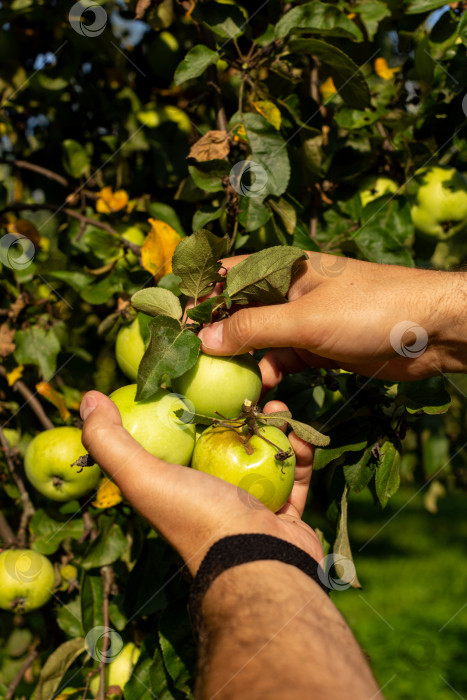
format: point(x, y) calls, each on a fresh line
point(109, 546)
point(378, 245)
point(252, 214)
point(36, 346)
point(202, 312)
point(208, 175)
point(48, 534)
point(157, 300)
point(265, 276)
point(320, 18)
point(145, 592)
point(342, 546)
point(371, 13)
point(74, 158)
point(346, 438)
point(92, 597)
point(425, 396)
point(269, 152)
point(227, 21)
point(359, 473)
point(286, 213)
point(302, 430)
point(435, 453)
point(196, 262)
point(415, 7)
point(387, 473)
point(347, 77)
point(175, 638)
point(55, 667)
point(172, 351)
point(195, 63)
point(205, 214)
point(69, 618)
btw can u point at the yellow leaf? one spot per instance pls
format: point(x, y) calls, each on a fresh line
point(382, 69)
point(352, 15)
point(327, 89)
point(239, 134)
point(108, 494)
point(269, 111)
point(14, 375)
point(109, 201)
point(55, 397)
point(158, 248)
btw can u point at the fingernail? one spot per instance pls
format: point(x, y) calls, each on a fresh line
point(88, 404)
point(212, 336)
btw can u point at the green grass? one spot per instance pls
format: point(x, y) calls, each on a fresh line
point(409, 616)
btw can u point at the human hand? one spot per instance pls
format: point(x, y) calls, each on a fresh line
point(347, 317)
point(192, 510)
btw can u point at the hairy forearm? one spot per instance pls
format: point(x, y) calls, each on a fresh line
point(270, 631)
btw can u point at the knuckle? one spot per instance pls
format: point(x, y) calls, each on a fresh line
point(241, 326)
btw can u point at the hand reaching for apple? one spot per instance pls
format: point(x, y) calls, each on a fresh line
point(189, 508)
point(341, 314)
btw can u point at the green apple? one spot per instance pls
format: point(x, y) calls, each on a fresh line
point(155, 425)
point(26, 580)
point(135, 235)
point(12, 436)
point(118, 672)
point(220, 384)
point(252, 465)
point(440, 207)
point(371, 189)
point(264, 237)
point(47, 464)
point(130, 345)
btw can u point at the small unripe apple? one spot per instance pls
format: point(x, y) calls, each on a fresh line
point(26, 580)
point(48, 460)
point(249, 464)
point(130, 345)
point(155, 425)
point(118, 672)
point(440, 207)
point(220, 385)
point(371, 189)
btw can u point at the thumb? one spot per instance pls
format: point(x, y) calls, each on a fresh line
point(279, 326)
point(105, 438)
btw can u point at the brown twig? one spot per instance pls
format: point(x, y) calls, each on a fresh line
point(107, 576)
point(6, 533)
point(49, 174)
point(28, 661)
point(89, 529)
point(28, 508)
point(19, 206)
point(34, 403)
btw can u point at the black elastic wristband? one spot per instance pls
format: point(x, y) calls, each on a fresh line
point(234, 550)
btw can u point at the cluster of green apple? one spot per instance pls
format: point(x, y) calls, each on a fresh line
point(215, 387)
point(438, 200)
